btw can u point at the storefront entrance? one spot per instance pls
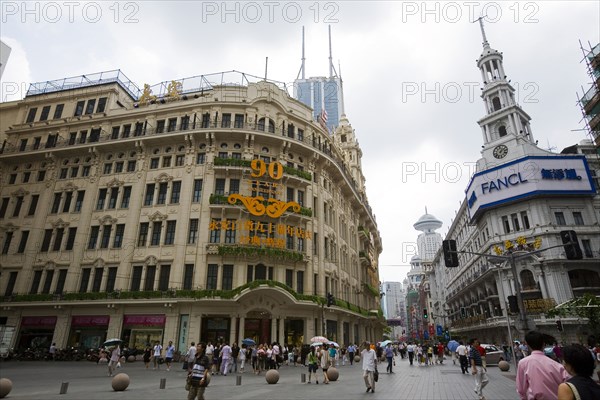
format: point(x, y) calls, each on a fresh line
point(140, 331)
point(36, 333)
point(215, 330)
point(257, 326)
point(88, 332)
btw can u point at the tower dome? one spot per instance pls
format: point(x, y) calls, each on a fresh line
point(427, 223)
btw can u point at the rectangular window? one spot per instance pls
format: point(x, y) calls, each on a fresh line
point(12, 280)
point(51, 141)
point(82, 136)
point(188, 275)
point(234, 186)
point(236, 156)
point(525, 220)
point(149, 198)
point(160, 126)
point(162, 193)
point(46, 240)
point(300, 245)
point(193, 231)
point(227, 280)
point(58, 239)
point(289, 278)
point(112, 199)
point(163, 279)
point(205, 120)
point(79, 200)
point(220, 187)
point(23, 145)
point(138, 130)
point(131, 166)
point(23, 242)
point(211, 276)
point(179, 160)
point(226, 121)
point(260, 273)
point(94, 232)
point(71, 239)
point(197, 193)
point(239, 121)
point(126, 130)
point(506, 224)
point(172, 125)
point(107, 168)
point(154, 163)
point(119, 232)
point(90, 106)
point(155, 238)
point(37, 141)
point(136, 278)
point(300, 135)
point(12, 179)
point(587, 248)
point(143, 234)
point(48, 281)
point(230, 231)
point(315, 244)
point(290, 194)
point(175, 192)
point(45, 113)
point(560, 218)
point(97, 283)
point(7, 240)
point(72, 138)
point(4, 206)
point(289, 242)
point(249, 274)
point(31, 115)
point(64, 172)
point(578, 218)
point(515, 221)
point(35, 283)
point(58, 111)
point(215, 236)
point(185, 123)
point(300, 282)
point(111, 279)
point(118, 167)
point(115, 132)
point(101, 199)
point(223, 154)
point(74, 172)
point(32, 205)
point(301, 197)
point(85, 279)
point(106, 231)
point(166, 161)
point(126, 197)
point(85, 171)
point(150, 276)
point(18, 205)
point(60, 283)
point(94, 135)
point(101, 104)
point(41, 175)
point(200, 158)
point(170, 232)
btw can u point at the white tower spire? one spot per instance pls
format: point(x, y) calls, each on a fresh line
point(330, 58)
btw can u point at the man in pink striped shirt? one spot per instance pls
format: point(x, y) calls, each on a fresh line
point(538, 376)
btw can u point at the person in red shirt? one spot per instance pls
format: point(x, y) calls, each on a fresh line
point(440, 352)
point(481, 351)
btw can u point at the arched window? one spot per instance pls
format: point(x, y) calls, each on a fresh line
point(584, 278)
point(527, 280)
point(502, 130)
point(261, 124)
point(496, 103)
point(271, 126)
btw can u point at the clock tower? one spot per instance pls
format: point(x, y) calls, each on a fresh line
point(505, 128)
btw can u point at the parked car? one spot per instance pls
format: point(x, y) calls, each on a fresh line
point(493, 354)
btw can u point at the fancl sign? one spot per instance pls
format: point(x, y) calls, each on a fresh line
point(528, 177)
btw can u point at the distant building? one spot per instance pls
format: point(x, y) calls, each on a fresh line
point(590, 101)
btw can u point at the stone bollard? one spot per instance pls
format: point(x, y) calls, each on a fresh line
point(333, 374)
point(64, 387)
point(131, 359)
point(356, 359)
point(163, 383)
point(238, 380)
point(504, 366)
point(272, 376)
point(120, 382)
point(303, 378)
point(5, 387)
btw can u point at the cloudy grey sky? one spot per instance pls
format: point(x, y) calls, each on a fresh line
point(411, 82)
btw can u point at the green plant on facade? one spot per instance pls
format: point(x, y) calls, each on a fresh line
point(371, 290)
point(253, 251)
point(237, 162)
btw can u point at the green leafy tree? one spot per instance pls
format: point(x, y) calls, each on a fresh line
point(586, 306)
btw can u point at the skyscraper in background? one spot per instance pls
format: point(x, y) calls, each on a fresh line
point(321, 92)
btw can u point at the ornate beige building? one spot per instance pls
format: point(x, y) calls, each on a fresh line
point(214, 212)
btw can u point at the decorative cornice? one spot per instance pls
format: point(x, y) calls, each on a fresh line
point(59, 223)
point(157, 216)
point(115, 183)
point(19, 192)
point(107, 220)
point(69, 187)
point(163, 178)
point(9, 227)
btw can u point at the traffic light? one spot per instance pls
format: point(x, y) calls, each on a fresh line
point(330, 300)
point(513, 305)
point(450, 255)
point(559, 325)
point(425, 316)
point(572, 249)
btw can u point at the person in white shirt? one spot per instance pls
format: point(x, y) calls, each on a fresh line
point(225, 355)
point(157, 353)
point(191, 356)
point(368, 365)
point(115, 355)
point(463, 352)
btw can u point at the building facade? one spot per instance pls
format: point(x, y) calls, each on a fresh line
point(590, 101)
point(215, 212)
point(519, 200)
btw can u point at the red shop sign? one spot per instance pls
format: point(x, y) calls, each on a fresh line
point(38, 321)
point(145, 320)
point(90, 320)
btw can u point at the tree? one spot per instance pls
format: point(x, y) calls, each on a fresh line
point(586, 306)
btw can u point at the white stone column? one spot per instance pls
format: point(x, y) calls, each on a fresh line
point(241, 332)
point(281, 336)
point(273, 329)
point(232, 330)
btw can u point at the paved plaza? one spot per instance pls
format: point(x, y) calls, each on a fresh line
point(89, 381)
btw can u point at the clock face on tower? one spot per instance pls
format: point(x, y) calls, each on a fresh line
point(500, 151)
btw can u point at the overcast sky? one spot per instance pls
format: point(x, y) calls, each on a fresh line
point(411, 82)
